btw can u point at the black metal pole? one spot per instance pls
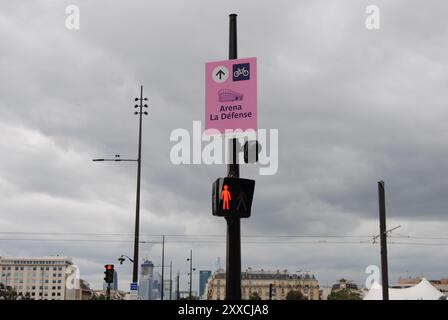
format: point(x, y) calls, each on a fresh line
point(270, 291)
point(191, 272)
point(383, 241)
point(137, 206)
point(177, 286)
point(108, 291)
point(171, 280)
point(233, 260)
point(163, 267)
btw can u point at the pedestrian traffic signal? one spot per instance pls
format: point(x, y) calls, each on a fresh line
point(109, 273)
point(232, 197)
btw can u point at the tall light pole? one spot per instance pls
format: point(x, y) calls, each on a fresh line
point(191, 273)
point(383, 241)
point(171, 280)
point(140, 112)
point(163, 268)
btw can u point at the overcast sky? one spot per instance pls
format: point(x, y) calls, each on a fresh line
point(352, 106)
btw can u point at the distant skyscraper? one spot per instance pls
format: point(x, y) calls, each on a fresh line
point(204, 275)
point(157, 286)
point(113, 285)
point(145, 288)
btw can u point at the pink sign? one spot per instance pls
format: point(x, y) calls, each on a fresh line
point(231, 95)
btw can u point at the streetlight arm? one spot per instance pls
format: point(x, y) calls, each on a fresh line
point(123, 255)
point(115, 160)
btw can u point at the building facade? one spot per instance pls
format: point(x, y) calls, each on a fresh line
point(258, 283)
point(39, 278)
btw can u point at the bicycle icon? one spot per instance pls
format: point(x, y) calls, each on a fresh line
point(241, 71)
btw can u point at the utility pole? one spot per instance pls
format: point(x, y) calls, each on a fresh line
point(191, 273)
point(177, 286)
point(233, 260)
point(139, 171)
point(383, 241)
point(171, 280)
point(140, 107)
point(163, 267)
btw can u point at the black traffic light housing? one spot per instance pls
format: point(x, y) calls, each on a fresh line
point(251, 150)
point(232, 197)
point(109, 273)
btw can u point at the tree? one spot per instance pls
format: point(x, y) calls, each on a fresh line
point(344, 294)
point(254, 296)
point(295, 295)
point(8, 293)
point(98, 297)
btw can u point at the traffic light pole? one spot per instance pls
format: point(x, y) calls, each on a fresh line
point(383, 241)
point(108, 291)
point(233, 246)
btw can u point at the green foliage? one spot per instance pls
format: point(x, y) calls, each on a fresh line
point(254, 296)
point(7, 293)
point(344, 294)
point(295, 295)
point(100, 297)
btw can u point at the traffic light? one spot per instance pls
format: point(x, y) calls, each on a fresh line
point(251, 150)
point(232, 197)
point(109, 273)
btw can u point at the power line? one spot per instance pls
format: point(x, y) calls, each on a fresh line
point(183, 235)
point(206, 241)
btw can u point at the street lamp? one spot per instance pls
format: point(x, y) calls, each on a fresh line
point(122, 258)
point(191, 272)
point(117, 158)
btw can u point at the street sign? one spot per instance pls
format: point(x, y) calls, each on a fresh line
point(232, 197)
point(134, 291)
point(231, 95)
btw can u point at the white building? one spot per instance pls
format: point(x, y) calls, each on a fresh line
point(41, 278)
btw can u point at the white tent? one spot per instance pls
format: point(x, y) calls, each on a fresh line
point(422, 291)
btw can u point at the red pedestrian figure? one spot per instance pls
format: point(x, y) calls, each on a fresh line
point(226, 197)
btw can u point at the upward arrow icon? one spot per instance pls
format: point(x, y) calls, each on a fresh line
point(220, 73)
